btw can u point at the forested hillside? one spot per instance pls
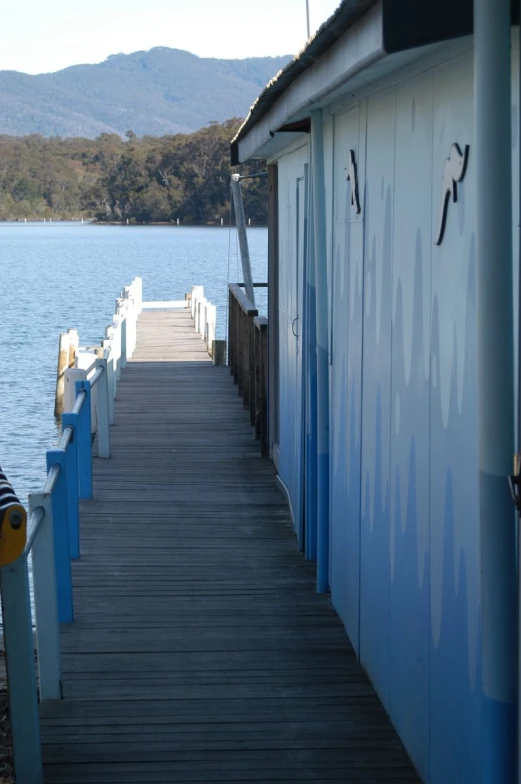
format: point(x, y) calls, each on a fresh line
point(156, 92)
point(152, 179)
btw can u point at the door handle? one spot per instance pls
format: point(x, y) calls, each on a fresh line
point(293, 326)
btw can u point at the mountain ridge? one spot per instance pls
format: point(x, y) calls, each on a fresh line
point(155, 92)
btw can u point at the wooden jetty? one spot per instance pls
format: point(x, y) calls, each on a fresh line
point(200, 650)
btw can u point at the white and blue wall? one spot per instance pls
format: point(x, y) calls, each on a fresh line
point(404, 561)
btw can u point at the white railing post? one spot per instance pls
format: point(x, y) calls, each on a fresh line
point(21, 671)
point(86, 361)
point(197, 295)
point(71, 376)
point(111, 378)
point(123, 311)
point(103, 411)
point(46, 602)
point(210, 326)
point(138, 294)
point(133, 321)
point(202, 318)
point(116, 339)
point(63, 364)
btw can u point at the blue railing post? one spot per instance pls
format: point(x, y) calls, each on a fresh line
point(73, 492)
point(84, 442)
point(60, 514)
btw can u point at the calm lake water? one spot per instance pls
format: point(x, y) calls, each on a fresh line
point(60, 276)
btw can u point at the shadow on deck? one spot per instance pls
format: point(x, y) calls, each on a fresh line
point(201, 651)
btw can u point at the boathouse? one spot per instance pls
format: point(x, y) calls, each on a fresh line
point(392, 143)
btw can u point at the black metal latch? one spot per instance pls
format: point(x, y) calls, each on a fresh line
point(514, 480)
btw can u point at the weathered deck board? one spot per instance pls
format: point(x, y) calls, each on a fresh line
point(201, 651)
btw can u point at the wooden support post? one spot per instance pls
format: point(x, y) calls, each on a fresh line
point(219, 352)
point(251, 366)
point(257, 396)
point(261, 382)
point(63, 364)
point(74, 342)
point(232, 347)
point(239, 337)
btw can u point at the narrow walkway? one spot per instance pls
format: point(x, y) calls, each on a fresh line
point(200, 651)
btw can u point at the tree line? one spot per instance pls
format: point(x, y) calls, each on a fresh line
point(185, 177)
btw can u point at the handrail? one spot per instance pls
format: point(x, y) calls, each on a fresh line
point(248, 307)
point(247, 352)
point(80, 400)
point(204, 315)
point(33, 525)
point(52, 477)
point(97, 375)
point(51, 534)
point(67, 434)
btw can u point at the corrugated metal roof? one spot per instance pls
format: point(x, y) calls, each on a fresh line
point(347, 13)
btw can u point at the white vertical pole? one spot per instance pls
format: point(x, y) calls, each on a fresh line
point(71, 376)
point(124, 333)
point(117, 350)
point(103, 411)
point(46, 601)
point(21, 671)
point(109, 357)
point(197, 294)
point(493, 164)
point(307, 19)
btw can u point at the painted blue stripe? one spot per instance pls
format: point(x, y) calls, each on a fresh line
point(311, 435)
point(322, 472)
point(498, 742)
point(499, 629)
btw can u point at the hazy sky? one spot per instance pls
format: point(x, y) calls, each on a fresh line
point(38, 36)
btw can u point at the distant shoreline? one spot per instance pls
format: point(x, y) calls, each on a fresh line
point(133, 224)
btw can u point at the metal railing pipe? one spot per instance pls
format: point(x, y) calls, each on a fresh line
point(34, 522)
point(80, 400)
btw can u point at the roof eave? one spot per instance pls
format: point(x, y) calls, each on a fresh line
point(355, 50)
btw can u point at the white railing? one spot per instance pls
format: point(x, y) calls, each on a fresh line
point(204, 316)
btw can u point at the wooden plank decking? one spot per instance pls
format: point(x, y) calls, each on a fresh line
point(201, 651)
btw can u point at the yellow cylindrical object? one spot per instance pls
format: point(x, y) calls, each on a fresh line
point(13, 533)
